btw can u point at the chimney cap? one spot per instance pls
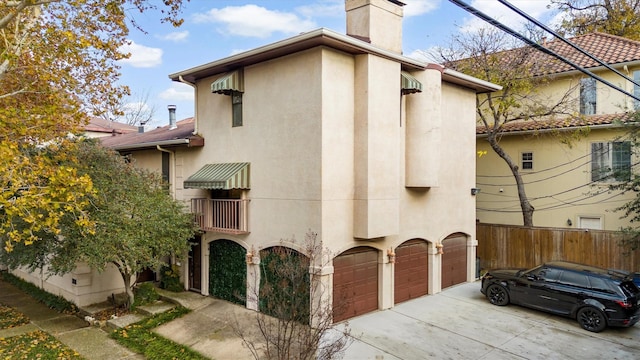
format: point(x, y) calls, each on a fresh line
point(171, 107)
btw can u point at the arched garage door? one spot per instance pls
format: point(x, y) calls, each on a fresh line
point(454, 260)
point(411, 275)
point(227, 271)
point(355, 283)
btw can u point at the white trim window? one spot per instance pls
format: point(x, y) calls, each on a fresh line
point(636, 89)
point(527, 160)
point(588, 96)
point(611, 161)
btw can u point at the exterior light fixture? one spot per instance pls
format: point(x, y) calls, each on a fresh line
point(475, 191)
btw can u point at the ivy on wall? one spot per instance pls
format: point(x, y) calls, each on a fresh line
point(284, 284)
point(227, 271)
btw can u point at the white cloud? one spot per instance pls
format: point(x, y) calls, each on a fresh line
point(177, 92)
point(141, 56)
point(422, 55)
point(176, 36)
point(419, 7)
point(254, 21)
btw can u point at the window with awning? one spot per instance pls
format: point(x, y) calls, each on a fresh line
point(223, 176)
point(229, 83)
point(409, 84)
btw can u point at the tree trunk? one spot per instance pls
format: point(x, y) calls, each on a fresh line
point(527, 208)
point(126, 277)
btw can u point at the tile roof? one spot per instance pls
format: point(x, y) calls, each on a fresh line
point(558, 124)
point(610, 49)
point(101, 125)
point(150, 139)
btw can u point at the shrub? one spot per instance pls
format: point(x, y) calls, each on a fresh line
point(145, 293)
point(170, 278)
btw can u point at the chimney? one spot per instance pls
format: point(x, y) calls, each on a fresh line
point(172, 117)
point(378, 22)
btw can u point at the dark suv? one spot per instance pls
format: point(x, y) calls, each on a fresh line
point(594, 296)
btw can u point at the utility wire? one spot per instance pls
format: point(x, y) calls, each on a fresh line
point(470, 9)
point(561, 38)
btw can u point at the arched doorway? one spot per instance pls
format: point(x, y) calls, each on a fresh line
point(227, 271)
point(355, 283)
point(454, 260)
point(284, 284)
point(411, 273)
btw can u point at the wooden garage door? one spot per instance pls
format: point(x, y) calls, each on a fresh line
point(411, 277)
point(355, 283)
point(454, 260)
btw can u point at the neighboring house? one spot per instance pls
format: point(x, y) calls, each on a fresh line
point(568, 164)
point(336, 134)
point(98, 127)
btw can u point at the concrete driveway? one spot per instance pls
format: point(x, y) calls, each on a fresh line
point(459, 323)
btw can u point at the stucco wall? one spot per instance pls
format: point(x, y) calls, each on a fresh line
point(558, 186)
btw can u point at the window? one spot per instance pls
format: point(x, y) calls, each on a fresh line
point(165, 168)
point(590, 222)
point(527, 161)
point(574, 279)
point(588, 96)
point(236, 101)
point(611, 161)
point(636, 89)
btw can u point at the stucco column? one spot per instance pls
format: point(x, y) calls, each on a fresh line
point(321, 295)
point(386, 269)
point(435, 270)
point(253, 283)
point(204, 269)
point(472, 246)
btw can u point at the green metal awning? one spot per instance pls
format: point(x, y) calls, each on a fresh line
point(228, 83)
point(225, 176)
point(409, 84)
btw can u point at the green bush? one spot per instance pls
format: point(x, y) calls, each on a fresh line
point(145, 293)
point(55, 302)
point(170, 278)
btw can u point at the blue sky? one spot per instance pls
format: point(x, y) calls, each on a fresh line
point(214, 29)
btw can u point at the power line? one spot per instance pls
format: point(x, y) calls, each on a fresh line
point(561, 38)
point(470, 9)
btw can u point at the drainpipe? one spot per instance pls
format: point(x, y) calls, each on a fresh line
point(195, 101)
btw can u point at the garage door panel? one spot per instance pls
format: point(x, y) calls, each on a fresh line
point(411, 270)
point(355, 283)
point(454, 261)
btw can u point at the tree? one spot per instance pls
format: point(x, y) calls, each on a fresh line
point(491, 55)
point(295, 320)
point(132, 110)
point(137, 223)
point(615, 17)
point(57, 61)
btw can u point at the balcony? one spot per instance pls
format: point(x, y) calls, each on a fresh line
point(228, 216)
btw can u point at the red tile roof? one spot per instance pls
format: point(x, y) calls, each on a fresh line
point(181, 135)
point(557, 124)
point(609, 48)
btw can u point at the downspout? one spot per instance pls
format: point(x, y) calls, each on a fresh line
point(172, 169)
point(195, 103)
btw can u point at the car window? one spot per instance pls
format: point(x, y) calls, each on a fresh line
point(599, 284)
point(549, 274)
point(574, 279)
point(629, 288)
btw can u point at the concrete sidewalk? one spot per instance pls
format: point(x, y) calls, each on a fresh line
point(90, 342)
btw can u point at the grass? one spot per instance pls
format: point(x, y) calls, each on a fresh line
point(10, 318)
point(35, 345)
point(140, 338)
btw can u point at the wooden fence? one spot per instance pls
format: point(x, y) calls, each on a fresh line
point(505, 246)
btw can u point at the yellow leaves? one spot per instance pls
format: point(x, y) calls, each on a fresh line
point(481, 153)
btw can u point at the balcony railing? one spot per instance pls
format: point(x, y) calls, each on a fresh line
point(225, 216)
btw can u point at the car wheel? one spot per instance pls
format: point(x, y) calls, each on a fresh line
point(497, 295)
point(591, 319)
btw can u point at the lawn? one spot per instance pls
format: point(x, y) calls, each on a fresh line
point(33, 345)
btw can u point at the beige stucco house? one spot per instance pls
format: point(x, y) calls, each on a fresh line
point(339, 135)
point(568, 163)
